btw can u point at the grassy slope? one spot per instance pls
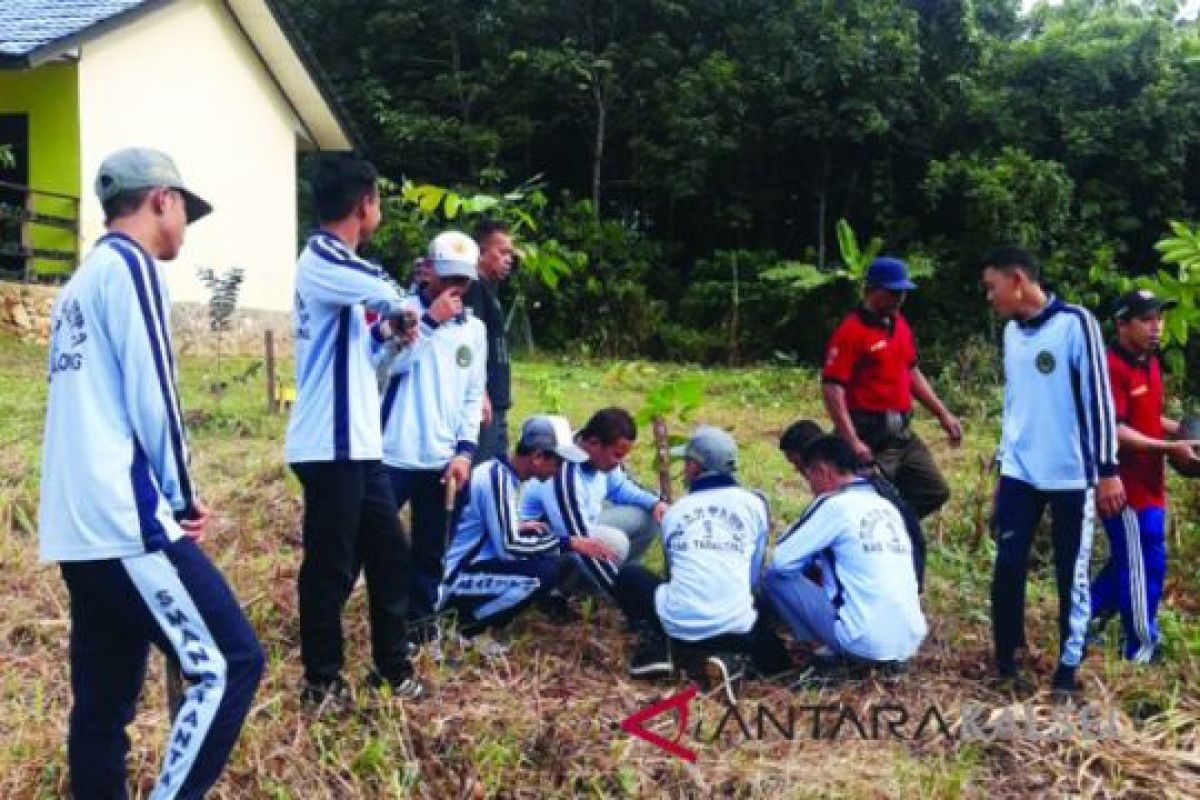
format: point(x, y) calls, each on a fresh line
point(544, 720)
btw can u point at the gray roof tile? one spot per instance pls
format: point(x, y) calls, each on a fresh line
point(26, 25)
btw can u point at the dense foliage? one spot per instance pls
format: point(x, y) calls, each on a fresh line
point(690, 147)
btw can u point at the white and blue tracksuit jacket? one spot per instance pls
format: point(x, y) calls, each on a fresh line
point(572, 500)
point(859, 540)
point(714, 539)
point(489, 527)
point(115, 456)
point(433, 397)
point(336, 413)
point(1059, 431)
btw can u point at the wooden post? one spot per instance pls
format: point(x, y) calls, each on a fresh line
point(662, 457)
point(272, 384)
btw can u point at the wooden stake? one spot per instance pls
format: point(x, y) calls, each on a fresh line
point(272, 385)
point(662, 457)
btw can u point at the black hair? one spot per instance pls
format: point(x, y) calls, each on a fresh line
point(1010, 259)
point(832, 450)
point(342, 180)
point(610, 424)
point(798, 435)
point(486, 228)
point(526, 450)
point(124, 204)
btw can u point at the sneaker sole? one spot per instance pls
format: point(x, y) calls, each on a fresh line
point(660, 669)
point(717, 674)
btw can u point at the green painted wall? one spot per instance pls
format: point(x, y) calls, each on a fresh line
point(49, 94)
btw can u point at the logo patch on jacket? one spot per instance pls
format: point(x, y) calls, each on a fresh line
point(1045, 362)
point(463, 356)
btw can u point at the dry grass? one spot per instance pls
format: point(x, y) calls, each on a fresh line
point(544, 720)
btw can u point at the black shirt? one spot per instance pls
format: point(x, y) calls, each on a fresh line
point(481, 298)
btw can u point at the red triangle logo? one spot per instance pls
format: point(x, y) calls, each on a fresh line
point(634, 723)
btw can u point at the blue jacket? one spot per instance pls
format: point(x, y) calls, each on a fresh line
point(115, 456)
point(1059, 431)
point(572, 500)
point(336, 413)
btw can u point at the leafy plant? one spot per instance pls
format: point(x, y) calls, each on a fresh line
point(855, 259)
point(223, 291)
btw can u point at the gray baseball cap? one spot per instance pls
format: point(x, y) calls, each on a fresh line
point(144, 168)
point(712, 448)
point(551, 434)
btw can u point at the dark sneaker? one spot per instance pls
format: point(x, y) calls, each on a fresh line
point(558, 608)
point(1064, 684)
point(724, 671)
point(652, 656)
point(1008, 680)
point(326, 696)
point(406, 688)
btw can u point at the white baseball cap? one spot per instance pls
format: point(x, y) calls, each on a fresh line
point(553, 434)
point(454, 255)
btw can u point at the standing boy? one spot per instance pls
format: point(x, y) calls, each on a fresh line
point(1058, 448)
point(1132, 580)
point(119, 511)
point(334, 441)
point(432, 403)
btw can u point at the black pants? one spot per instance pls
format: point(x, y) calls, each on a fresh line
point(350, 523)
point(493, 438)
point(634, 591)
point(424, 492)
point(1019, 509)
point(178, 601)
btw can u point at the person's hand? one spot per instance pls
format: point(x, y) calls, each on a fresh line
point(487, 410)
point(195, 526)
point(1184, 449)
point(862, 451)
point(448, 305)
point(422, 271)
point(659, 511)
point(458, 470)
point(593, 548)
point(1110, 496)
point(952, 428)
point(534, 527)
point(402, 326)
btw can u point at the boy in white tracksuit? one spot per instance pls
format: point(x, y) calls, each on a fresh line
point(866, 605)
point(714, 539)
point(119, 511)
point(432, 407)
point(334, 442)
point(598, 493)
point(496, 564)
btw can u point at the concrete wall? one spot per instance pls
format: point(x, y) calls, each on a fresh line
point(25, 310)
point(25, 313)
point(185, 79)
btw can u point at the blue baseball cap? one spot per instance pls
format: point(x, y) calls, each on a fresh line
point(889, 273)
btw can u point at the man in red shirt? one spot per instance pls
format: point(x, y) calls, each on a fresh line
point(1131, 583)
point(870, 379)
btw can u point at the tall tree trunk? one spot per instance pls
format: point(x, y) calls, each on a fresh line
point(598, 144)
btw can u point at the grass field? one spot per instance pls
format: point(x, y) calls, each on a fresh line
point(544, 720)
